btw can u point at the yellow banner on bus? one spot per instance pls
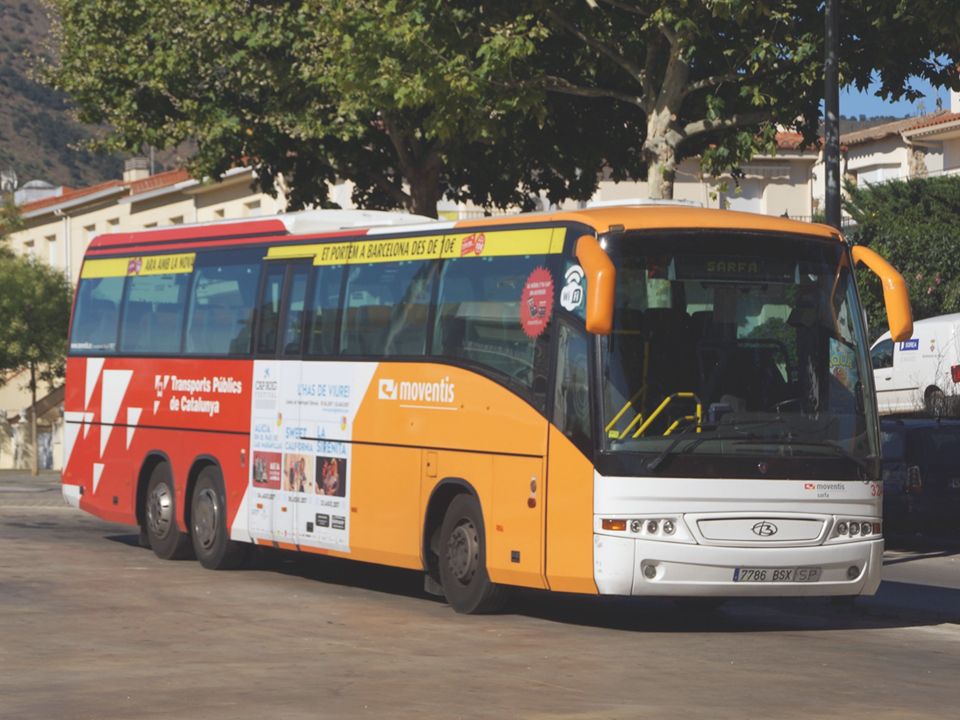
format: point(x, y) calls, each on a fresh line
point(140, 265)
point(540, 241)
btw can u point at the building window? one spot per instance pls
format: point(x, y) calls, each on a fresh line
point(51, 249)
point(147, 226)
point(178, 220)
point(88, 232)
point(252, 208)
point(30, 248)
point(112, 224)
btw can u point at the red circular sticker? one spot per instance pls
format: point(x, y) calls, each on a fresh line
point(536, 302)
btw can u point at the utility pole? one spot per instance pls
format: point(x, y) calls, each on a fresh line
point(831, 112)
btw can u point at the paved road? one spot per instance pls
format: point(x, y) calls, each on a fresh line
point(92, 626)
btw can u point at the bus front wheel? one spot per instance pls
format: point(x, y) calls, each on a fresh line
point(160, 517)
point(463, 566)
point(208, 524)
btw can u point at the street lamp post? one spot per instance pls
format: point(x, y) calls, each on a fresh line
point(831, 114)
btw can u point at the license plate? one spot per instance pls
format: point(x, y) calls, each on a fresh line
point(775, 575)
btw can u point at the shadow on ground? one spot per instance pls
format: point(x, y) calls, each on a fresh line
point(895, 605)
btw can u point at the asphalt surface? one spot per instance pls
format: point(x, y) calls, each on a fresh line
point(93, 626)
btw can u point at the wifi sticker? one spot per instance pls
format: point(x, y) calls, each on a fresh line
point(571, 296)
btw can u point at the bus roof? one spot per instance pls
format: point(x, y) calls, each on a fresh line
point(342, 223)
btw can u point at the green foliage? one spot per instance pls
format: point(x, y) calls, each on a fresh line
point(10, 220)
point(915, 225)
point(493, 101)
point(716, 78)
point(35, 307)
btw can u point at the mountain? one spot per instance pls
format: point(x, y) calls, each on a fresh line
point(37, 131)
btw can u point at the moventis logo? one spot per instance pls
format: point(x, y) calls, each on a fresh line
point(442, 391)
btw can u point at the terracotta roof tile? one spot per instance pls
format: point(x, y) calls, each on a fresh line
point(71, 195)
point(160, 180)
point(893, 128)
point(938, 120)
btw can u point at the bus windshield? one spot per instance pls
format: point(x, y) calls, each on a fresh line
point(736, 353)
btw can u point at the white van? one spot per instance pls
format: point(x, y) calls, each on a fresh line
point(922, 373)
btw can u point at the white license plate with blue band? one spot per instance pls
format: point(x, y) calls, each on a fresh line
point(775, 575)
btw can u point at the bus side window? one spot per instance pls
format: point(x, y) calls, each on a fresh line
point(269, 309)
point(291, 342)
point(478, 315)
point(94, 329)
point(153, 313)
point(322, 323)
point(386, 306)
point(220, 315)
point(571, 405)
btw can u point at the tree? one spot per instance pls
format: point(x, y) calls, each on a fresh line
point(409, 100)
point(915, 225)
point(718, 77)
point(35, 307)
point(491, 101)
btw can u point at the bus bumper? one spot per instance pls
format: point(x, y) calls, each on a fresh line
point(627, 566)
point(71, 495)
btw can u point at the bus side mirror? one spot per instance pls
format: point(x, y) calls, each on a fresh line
point(601, 279)
point(895, 297)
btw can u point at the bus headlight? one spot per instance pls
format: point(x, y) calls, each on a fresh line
point(647, 527)
point(856, 529)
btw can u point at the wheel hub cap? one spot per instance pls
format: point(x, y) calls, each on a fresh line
point(206, 517)
point(160, 511)
point(463, 552)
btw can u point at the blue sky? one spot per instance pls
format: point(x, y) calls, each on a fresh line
point(853, 102)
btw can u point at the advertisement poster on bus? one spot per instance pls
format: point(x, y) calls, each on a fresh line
point(302, 420)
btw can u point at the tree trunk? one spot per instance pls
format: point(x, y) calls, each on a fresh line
point(424, 194)
point(660, 153)
point(34, 464)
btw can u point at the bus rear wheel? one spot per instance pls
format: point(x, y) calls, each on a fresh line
point(463, 561)
point(208, 524)
point(160, 517)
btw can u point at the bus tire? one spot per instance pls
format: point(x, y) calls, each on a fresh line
point(463, 566)
point(208, 524)
point(160, 517)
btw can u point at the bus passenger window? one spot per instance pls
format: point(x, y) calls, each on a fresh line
point(293, 312)
point(270, 310)
point(571, 406)
point(478, 314)
point(153, 313)
point(323, 320)
point(386, 308)
point(220, 316)
point(95, 318)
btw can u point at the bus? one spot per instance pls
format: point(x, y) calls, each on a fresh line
point(640, 400)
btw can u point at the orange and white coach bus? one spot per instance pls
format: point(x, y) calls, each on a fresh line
point(637, 400)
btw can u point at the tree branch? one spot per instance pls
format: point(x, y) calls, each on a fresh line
point(559, 85)
point(632, 9)
point(711, 81)
point(616, 58)
point(702, 126)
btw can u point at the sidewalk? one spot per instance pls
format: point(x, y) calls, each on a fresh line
point(20, 489)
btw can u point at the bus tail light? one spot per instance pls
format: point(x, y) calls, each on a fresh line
point(955, 373)
point(618, 525)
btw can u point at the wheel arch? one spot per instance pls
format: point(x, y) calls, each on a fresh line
point(440, 498)
point(152, 459)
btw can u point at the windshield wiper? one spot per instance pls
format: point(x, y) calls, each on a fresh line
point(671, 449)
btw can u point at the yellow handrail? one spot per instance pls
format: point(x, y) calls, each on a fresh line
point(663, 405)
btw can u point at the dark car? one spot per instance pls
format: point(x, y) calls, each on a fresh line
point(921, 475)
